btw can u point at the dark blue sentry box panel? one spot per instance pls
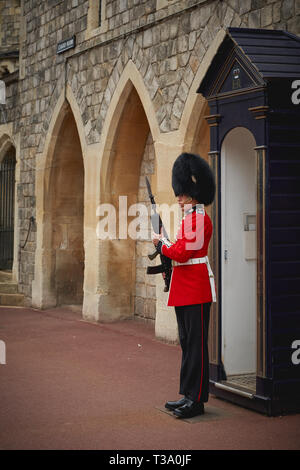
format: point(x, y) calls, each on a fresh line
point(284, 233)
point(254, 81)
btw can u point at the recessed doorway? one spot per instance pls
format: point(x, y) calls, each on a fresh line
point(239, 271)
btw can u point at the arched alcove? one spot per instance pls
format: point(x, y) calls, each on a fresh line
point(63, 222)
point(118, 257)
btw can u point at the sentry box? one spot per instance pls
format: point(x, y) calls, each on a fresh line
point(253, 90)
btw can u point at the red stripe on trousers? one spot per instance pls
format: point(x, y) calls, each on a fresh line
point(202, 354)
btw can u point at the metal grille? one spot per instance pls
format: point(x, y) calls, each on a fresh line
point(7, 190)
point(246, 381)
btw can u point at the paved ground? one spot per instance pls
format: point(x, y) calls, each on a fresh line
point(69, 384)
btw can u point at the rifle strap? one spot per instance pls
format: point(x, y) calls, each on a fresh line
point(155, 269)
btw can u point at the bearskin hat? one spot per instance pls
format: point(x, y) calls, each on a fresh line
point(193, 176)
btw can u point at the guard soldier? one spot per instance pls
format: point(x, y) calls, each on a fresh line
point(192, 287)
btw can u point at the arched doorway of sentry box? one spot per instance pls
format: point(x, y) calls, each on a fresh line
point(238, 229)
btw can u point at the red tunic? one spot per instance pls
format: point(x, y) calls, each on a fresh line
point(190, 283)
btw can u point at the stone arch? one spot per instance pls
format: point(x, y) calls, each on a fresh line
point(6, 143)
point(192, 121)
point(194, 130)
point(129, 122)
point(10, 142)
point(130, 78)
point(59, 263)
point(133, 55)
point(59, 103)
point(8, 251)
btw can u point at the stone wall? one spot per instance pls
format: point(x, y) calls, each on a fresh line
point(46, 23)
point(9, 43)
point(9, 24)
point(165, 40)
point(145, 291)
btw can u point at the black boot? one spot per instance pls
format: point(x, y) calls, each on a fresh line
point(172, 405)
point(189, 409)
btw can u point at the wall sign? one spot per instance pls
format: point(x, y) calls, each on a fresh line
point(66, 44)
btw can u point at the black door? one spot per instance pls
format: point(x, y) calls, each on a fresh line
point(7, 191)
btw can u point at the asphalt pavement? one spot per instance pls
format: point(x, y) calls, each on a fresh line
point(70, 384)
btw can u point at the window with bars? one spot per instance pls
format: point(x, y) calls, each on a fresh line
point(7, 190)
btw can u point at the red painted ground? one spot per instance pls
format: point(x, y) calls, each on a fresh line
point(68, 384)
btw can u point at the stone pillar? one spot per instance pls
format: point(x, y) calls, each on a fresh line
point(42, 295)
point(166, 153)
point(92, 270)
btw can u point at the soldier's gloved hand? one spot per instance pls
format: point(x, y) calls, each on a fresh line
point(156, 238)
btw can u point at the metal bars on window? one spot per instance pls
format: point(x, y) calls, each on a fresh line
point(7, 189)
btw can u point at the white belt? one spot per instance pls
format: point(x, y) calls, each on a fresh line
point(210, 273)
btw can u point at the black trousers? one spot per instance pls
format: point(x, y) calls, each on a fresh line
point(193, 322)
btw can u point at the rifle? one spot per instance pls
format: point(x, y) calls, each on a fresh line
point(166, 263)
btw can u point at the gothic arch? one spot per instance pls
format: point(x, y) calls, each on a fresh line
point(8, 205)
point(129, 121)
point(129, 80)
point(59, 169)
point(66, 99)
point(6, 143)
point(195, 105)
